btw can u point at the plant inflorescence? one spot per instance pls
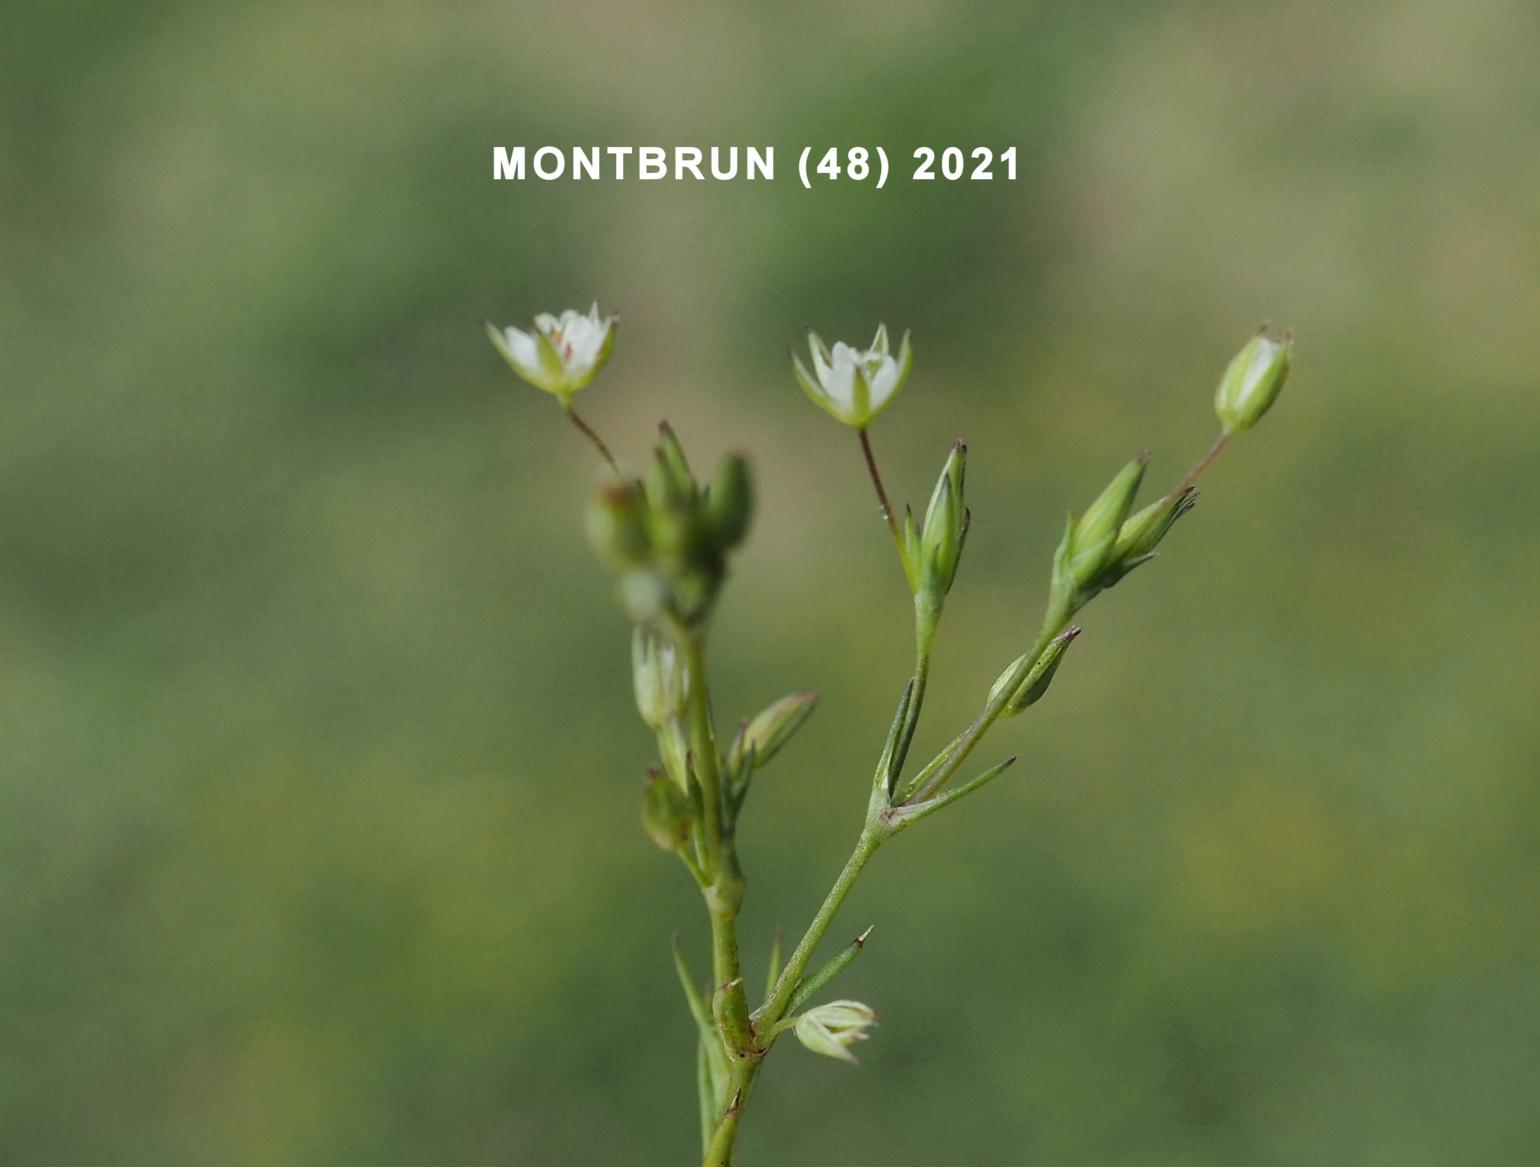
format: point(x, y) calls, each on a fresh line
point(669, 538)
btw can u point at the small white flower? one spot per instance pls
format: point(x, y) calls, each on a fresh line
point(560, 354)
point(831, 1029)
point(854, 385)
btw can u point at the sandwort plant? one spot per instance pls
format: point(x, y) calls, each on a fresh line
point(669, 538)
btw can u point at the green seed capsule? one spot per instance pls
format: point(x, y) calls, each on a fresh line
point(1252, 382)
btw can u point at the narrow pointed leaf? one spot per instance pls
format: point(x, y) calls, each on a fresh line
point(775, 962)
point(888, 765)
point(826, 972)
point(913, 814)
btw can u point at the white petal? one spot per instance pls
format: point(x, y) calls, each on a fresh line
point(820, 363)
point(523, 351)
point(582, 341)
point(883, 379)
point(839, 382)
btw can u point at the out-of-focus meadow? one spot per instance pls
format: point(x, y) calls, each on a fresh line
point(319, 777)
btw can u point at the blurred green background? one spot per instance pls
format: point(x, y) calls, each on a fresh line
point(319, 777)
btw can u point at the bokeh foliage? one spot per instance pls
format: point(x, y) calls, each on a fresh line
point(318, 776)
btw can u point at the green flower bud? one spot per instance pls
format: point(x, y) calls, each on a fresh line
point(946, 524)
point(666, 812)
point(833, 1028)
point(730, 502)
point(671, 453)
point(769, 730)
point(1141, 532)
point(666, 494)
point(1096, 532)
point(1252, 381)
point(1035, 684)
point(658, 676)
point(616, 521)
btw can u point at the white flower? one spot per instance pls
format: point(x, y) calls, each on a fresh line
point(560, 354)
point(852, 385)
point(831, 1029)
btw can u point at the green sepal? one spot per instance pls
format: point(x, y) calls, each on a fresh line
point(674, 461)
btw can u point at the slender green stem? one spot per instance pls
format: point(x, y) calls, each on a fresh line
point(588, 432)
point(724, 895)
point(1203, 463)
point(882, 494)
point(927, 615)
point(866, 846)
point(719, 1151)
point(703, 751)
point(958, 753)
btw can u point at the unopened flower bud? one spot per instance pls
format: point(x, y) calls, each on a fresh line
point(1252, 381)
point(666, 493)
point(1035, 684)
point(671, 455)
point(666, 812)
point(1096, 531)
point(833, 1028)
point(945, 529)
point(658, 676)
point(1141, 532)
point(769, 730)
point(616, 521)
point(730, 502)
